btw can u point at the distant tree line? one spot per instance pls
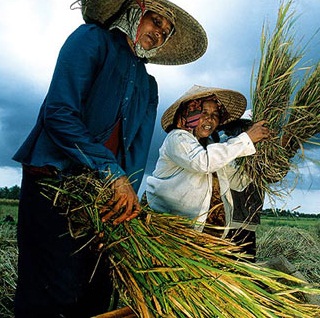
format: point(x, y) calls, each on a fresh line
point(288, 213)
point(10, 193)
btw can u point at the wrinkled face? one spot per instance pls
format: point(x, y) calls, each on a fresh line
point(209, 119)
point(153, 30)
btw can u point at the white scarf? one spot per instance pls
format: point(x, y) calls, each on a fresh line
point(129, 23)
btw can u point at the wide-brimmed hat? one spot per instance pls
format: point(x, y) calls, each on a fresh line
point(234, 102)
point(187, 44)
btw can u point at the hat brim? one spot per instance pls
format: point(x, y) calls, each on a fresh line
point(234, 102)
point(188, 43)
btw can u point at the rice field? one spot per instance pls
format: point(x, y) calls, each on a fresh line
point(308, 224)
point(8, 256)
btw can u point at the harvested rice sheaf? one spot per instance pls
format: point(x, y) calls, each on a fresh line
point(163, 268)
point(291, 106)
point(298, 246)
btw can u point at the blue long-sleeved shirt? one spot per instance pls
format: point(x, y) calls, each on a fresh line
point(97, 80)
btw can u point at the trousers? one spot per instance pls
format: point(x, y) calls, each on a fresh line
point(54, 271)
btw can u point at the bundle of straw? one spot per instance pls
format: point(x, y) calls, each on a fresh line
point(304, 120)
point(297, 245)
point(164, 268)
point(292, 119)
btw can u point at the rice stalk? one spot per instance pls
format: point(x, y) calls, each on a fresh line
point(293, 119)
point(163, 268)
point(8, 269)
point(304, 120)
point(271, 96)
point(298, 246)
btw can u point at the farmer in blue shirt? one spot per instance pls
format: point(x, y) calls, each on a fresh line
point(99, 113)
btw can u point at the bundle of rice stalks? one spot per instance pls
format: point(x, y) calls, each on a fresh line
point(272, 94)
point(298, 246)
point(304, 120)
point(164, 268)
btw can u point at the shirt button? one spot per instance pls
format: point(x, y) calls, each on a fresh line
point(125, 118)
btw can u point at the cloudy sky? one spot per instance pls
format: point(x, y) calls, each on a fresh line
point(32, 32)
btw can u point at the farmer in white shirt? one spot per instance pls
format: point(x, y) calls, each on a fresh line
point(194, 175)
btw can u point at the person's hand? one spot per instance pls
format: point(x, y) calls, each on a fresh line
point(125, 202)
point(258, 131)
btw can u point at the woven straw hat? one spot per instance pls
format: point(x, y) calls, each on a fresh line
point(187, 44)
point(234, 102)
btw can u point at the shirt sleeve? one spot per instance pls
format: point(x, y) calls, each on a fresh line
point(77, 67)
point(185, 150)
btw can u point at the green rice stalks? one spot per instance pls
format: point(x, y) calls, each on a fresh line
point(291, 123)
point(273, 86)
point(304, 120)
point(164, 268)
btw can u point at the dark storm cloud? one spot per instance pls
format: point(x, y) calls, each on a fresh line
point(19, 104)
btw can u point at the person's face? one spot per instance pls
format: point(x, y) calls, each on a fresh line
point(153, 30)
point(209, 120)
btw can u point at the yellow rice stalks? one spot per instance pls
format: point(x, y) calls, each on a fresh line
point(164, 268)
point(290, 106)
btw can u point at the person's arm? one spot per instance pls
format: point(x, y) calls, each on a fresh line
point(258, 131)
point(77, 67)
point(186, 152)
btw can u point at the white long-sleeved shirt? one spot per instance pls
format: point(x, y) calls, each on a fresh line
point(181, 183)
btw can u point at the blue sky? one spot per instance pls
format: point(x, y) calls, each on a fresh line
point(32, 32)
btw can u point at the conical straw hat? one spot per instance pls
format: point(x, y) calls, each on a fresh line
point(187, 44)
point(234, 102)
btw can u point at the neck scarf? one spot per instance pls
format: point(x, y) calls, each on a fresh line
point(129, 23)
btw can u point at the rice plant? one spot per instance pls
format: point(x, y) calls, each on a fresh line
point(290, 106)
point(8, 269)
point(299, 246)
point(304, 120)
point(162, 267)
